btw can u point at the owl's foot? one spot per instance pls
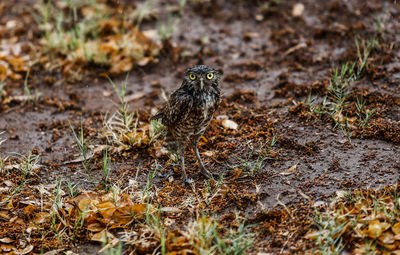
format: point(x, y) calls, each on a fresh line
point(203, 170)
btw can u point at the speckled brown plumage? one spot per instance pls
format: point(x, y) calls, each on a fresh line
point(190, 109)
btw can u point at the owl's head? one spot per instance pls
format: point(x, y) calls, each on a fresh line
point(203, 77)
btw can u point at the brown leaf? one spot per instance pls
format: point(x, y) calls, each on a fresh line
point(4, 214)
point(7, 247)
point(6, 240)
point(41, 217)
point(3, 72)
point(26, 250)
point(290, 170)
point(95, 227)
point(123, 65)
point(29, 210)
point(17, 64)
point(386, 238)
point(376, 228)
point(396, 228)
point(106, 209)
point(102, 236)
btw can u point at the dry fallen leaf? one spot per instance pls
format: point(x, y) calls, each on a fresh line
point(6, 240)
point(26, 250)
point(386, 238)
point(290, 170)
point(396, 228)
point(376, 228)
point(102, 237)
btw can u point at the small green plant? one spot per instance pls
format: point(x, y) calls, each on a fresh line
point(78, 225)
point(2, 159)
point(148, 184)
point(167, 30)
point(83, 149)
point(65, 32)
point(207, 238)
point(122, 127)
point(363, 116)
point(254, 160)
point(364, 49)
point(28, 163)
point(330, 239)
point(157, 225)
point(235, 242)
point(26, 88)
point(335, 102)
point(106, 169)
point(72, 189)
point(127, 118)
point(57, 201)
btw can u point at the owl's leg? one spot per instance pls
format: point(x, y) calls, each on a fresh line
point(204, 170)
point(181, 151)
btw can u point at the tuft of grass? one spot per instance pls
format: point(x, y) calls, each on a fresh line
point(335, 103)
point(236, 241)
point(106, 169)
point(127, 118)
point(27, 163)
point(329, 240)
point(254, 160)
point(65, 33)
point(123, 127)
point(363, 116)
point(364, 49)
point(146, 189)
point(83, 148)
point(168, 29)
point(207, 239)
point(27, 92)
point(57, 203)
point(72, 189)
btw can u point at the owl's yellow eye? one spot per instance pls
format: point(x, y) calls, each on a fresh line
point(210, 76)
point(192, 76)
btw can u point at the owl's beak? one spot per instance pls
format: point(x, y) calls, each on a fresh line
point(201, 83)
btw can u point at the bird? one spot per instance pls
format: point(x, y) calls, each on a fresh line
point(189, 110)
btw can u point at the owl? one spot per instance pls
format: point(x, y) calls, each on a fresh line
point(189, 110)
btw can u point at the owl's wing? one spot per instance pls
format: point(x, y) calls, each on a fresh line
point(177, 108)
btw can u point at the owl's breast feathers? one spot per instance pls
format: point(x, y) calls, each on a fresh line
point(186, 105)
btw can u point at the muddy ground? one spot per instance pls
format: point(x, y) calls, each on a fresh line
point(273, 62)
